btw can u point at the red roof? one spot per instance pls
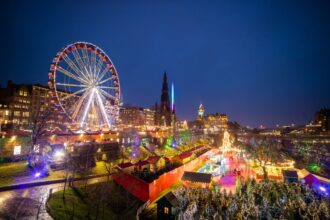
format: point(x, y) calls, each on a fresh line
point(188, 153)
point(142, 163)
point(185, 155)
point(153, 159)
point(10, 133)
point(125, 165)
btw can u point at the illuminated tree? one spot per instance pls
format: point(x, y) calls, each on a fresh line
point(304, 149)
point(264, 151)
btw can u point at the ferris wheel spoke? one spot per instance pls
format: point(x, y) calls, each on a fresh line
point(70, 85)
point(107, 87)
point(86, 109)
point(107, 95)
point(71, 75)
point(102, 107)
point(105, 70)
point(99, 67)
point(87, 62)
point(77, 106)
point(93, 62)
point(74, 67)
point(73, 94)
point(104, 81)
point(80, 62)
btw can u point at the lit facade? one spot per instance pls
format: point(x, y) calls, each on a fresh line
point(15, 105)
point(133, 116)
point(20, 104)
point(149, 116)
point(216, 120)
point(5, 114)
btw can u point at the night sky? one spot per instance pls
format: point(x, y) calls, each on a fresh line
point(261, 62)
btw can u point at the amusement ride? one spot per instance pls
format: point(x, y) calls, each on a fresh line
point(85, 87)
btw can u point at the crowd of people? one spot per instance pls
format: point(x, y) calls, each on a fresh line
point(265, 200)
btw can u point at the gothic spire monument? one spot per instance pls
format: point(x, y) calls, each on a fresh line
point(164, 111)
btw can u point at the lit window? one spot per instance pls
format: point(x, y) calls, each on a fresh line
point(26, 114)
point(21, 92)
point(17, 113)
point(166, 210)
point(25, 93)
point(36, 148)
point(17, 150)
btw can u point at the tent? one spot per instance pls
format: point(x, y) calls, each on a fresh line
point(310, 179)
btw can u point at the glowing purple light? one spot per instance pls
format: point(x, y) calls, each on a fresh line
point(38, 174)
point(322, 189)
point(134, 155)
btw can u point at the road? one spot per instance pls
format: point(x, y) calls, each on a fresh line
point(24, 204)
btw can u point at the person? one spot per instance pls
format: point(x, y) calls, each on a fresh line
point(70, 181)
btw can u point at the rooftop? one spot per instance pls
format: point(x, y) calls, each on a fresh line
point(196, 177)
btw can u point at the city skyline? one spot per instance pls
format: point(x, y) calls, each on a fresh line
point(165, 109)
point(250, 66)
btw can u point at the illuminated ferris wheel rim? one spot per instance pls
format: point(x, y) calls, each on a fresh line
point(91, 76)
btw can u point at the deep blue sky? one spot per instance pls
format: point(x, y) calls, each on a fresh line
point(261, 62)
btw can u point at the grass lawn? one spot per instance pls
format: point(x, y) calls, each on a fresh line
point(98, 201)
point(10, 172)
point(18, 173)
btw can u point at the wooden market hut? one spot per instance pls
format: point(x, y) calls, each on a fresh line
point(197, 179)
point(167, 206)
point(290, 176)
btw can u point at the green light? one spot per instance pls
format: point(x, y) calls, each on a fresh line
point(314, 167)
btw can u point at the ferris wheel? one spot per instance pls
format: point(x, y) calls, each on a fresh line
point(84, 85)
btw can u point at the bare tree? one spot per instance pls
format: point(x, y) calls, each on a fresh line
point(108, 165)
point(39, 126)
point(39, 122)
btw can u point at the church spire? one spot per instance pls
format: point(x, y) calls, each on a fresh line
point(165, 105)
point(165, 85)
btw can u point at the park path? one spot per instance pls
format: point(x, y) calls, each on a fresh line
point(30, 203)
